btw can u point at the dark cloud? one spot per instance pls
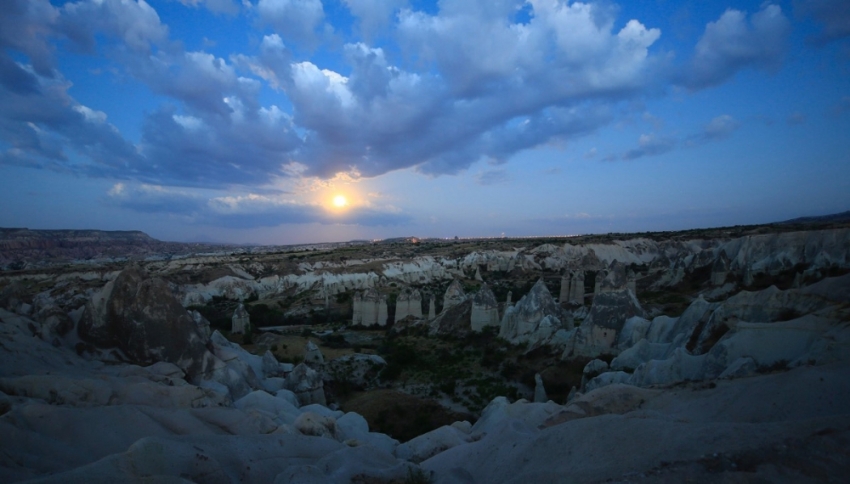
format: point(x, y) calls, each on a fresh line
point(832, 15)
point(733, 43)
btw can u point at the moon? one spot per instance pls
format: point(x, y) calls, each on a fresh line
point(340, 201)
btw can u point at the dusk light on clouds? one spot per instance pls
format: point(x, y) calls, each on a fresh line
point(291, 121)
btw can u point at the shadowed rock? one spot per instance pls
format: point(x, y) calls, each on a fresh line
point(140, 316)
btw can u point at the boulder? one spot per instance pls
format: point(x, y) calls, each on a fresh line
point(307, 385)
point(642, 352)
point(141, 316)
point(310, 423)
point(430, 444)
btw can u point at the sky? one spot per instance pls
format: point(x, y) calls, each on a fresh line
point(297, 121)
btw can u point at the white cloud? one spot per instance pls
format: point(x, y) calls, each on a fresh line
point(732, 43)
point(295, 20)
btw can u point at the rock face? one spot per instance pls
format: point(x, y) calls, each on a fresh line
point(313, 355)
point(534, 319)
point(572, 288)
point(241, 321)
point(454, 320)
point(720, 270)
point(600, 330)
point(369, 308)
point(409, 303)
point(485, 309)
point(454, 295)
point(140, 316)
point(307, 384)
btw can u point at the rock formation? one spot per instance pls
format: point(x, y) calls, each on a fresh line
point(432, 308)
point(572, 288)
point(719, 270)
point(369, 308)
point(485, 309)
point(241, 320)
point(408, 303)
point(313, 355)
point(140, 316)
point(307, 384)
point(454, 295)
point(539, 390)
point(534, 319)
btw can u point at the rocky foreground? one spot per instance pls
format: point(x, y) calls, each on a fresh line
point(110, 375)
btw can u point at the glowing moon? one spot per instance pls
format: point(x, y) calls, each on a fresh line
point(340, 201)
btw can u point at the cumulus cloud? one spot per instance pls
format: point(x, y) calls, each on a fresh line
point(832, 15)
point(470, 82)
point(295, 20)
point(734, 42)
point(373, 14)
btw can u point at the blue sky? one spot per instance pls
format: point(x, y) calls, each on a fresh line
point(243, 121)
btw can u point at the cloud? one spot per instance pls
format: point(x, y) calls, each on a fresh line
point(373, 14)
point(228, 7)
point(468, 82)
point(733, 43)
point(249, 210)
point(650, 145)
point(294, 20)
point(832, 15)
point(491, 177)
point(720, 127)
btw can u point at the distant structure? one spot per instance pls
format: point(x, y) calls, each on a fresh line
point(409, 303)
point(432, 308)
point(369, 308)
point(241, 321)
